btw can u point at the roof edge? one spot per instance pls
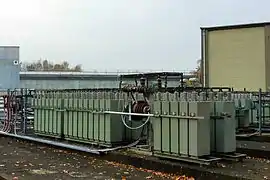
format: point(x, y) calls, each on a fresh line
point(236, 26)
point(9, 46)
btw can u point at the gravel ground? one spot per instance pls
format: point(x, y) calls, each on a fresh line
point(25, 161)
point(251, 168)
point(264, 146)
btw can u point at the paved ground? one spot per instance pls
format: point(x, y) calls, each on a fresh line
point(25, 161)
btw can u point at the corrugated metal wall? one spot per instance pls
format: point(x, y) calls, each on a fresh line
point(236, 58)
point(68, 84)
point(9, 69)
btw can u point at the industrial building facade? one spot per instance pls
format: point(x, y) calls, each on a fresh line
point(236, 56)
point(77, 80)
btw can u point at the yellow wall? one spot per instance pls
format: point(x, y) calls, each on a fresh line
point(267, 56)
point(236, 58)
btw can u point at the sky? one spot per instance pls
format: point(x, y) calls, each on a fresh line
point(125, 35)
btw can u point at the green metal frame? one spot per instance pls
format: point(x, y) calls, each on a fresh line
point(76, 118)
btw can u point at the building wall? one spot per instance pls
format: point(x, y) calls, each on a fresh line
point(68, 84)
point(9, 67)
point(75, 80)
point(76, 84)
point(236, 58)
point(267, 56)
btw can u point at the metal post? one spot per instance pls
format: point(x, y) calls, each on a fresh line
point(129, 106)
point(260, 111)
point(25, 119)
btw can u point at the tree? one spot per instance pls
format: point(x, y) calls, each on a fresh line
point(197, 71)
point(77, 68)
point(45, 65)
point(65, 65)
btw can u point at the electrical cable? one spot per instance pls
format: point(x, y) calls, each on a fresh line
point(134, 128)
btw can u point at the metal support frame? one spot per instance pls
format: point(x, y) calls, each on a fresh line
point(54, 143)
point(68, 146)
point(260, 111)
point(209, 160)
point(130, 114)
point(259, 122)
point(201, 160)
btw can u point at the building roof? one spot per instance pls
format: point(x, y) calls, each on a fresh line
point(237, 26)
point(9, 46)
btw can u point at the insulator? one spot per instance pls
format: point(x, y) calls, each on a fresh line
point(132, 88)
point(141, 107)
point(142, 81)
point(159, 82)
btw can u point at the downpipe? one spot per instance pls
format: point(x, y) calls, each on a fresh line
point(203, 56)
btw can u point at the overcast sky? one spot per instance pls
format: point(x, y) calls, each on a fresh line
point(119, 34)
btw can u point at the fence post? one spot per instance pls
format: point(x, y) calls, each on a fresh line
point(260, 111)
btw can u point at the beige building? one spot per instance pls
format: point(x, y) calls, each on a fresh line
point(236, 56)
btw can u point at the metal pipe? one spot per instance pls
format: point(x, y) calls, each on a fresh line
point(126, 113)
point(262, 130)
point(129, 107)
point(48, 142)
point(152, 115)
point(137, 114)
point(260, 111)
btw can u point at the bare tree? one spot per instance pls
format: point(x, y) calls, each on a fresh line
point(45, 65)
point(77, 68)
point(197, 71)
point(65, 65)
